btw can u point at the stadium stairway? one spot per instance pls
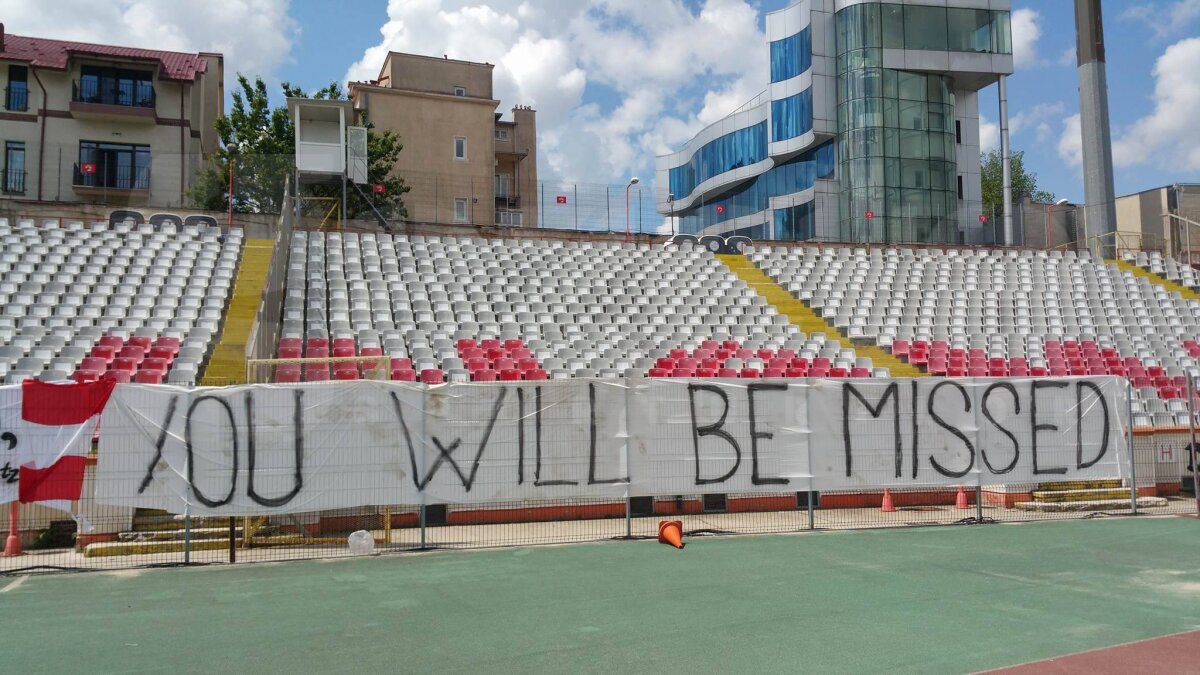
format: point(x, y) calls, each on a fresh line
point(805, 318)
point(1083, 495)
point(1136, 271)
point(228, 362)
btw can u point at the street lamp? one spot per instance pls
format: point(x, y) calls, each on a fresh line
point(231, 149)
point(632, 181)
point(1049, 208)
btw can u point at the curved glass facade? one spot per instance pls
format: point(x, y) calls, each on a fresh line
point(952, 29)
point(897, 137)
point(791, 116)
point(796, 175)
point(731, 151)
point(791, 56)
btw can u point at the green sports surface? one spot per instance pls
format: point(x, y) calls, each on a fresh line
point(944, 599)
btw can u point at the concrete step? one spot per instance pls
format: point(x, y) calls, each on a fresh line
point(1080, 485)
point(178, 535)
point(1094, 505)
point(119, 548)
point(153, 523)
point(1050, 496)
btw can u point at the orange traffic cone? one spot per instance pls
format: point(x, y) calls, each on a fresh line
point(670, 532)
point(960, 502)
point(888, 506)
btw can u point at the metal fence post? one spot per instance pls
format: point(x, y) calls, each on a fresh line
point(575, 187)
point(424, 445)
point(1193, 455)
point(628, 515)
point(1132, 456)
point(187, 533)
point(812, 522)
point(608, 208)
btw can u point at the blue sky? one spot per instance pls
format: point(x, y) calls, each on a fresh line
point(617, 81)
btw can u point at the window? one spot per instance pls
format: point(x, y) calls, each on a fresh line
point(115, 86)
point(14, 167)
point(460, 147)
point(460, 91)
point(791, 116)
point(460, 210)
point(16, 96)
point(502, 134)
point(958, 132)
point(960, 188)
point(113, 165)
point(791, 56)
point(731, 151)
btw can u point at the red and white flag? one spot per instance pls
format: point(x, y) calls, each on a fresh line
point(46, 430)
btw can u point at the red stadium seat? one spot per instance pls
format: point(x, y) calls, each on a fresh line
point(706, 372)
point(289, 352)
point(288, 372)
point(148, 377)
point(510, 375)
point(513, 343)
point(504, 364)
point(370, 351)
point(82, 376)
point(665, 362)
point(678, 354)
point(900, 348)
point(465, 343)
point(749, 373)
point(94, 363)
point(478, 364)
point(119, 376)
point(171, 343)
point(838, 372)
point(536, 374)
point(472, 353)
point(345, 374)
point(316, 343)
point(658, 372)
point(343, 352)
point(860, 372)
point(731, 345)
point(141, 342)
point(124, 364)
point(727, 372)
point(404, 375)
point(482, 375)
point(164, 353)
point(318, 352)
point(106, 352)
point(158, 365)
point(316, 374)
point(796, 372)
point(432, 376)
point(773, 372)
point(490, 343)
point(111, 341)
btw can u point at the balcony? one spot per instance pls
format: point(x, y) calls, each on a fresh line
point(16, 98)
point(126, 101)
point(13, 181)
point(107, 181)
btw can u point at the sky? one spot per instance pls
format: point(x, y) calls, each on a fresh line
point(616, 82)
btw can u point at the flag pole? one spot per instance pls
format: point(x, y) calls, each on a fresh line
point(12, 545)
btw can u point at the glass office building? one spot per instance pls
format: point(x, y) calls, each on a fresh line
point(868, 131)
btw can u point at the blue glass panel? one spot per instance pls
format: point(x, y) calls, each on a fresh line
point(796, 175)
point(791, 116)
point(791, 56)
point(731, 151)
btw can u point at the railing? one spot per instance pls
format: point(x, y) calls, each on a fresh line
point(1119, 242)
point(126, 178)
point(130, 95)
point(16, 98)
point(13, 182)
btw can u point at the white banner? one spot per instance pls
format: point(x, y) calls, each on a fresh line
point(264, 449)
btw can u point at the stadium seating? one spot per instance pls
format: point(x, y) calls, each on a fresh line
point(1167, 268)
point(471, 309)
point(996, 313)
point(128, 302)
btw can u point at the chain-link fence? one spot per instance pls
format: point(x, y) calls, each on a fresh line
point(525, 463)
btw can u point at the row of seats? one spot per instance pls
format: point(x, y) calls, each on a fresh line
point(65, 289)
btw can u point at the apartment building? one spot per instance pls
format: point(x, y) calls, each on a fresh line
point(105, 124)
point(465, 162)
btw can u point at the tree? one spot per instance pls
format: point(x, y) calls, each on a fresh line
point(1023, 182)
point(266, 148)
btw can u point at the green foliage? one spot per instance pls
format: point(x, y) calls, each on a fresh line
point(265, 154)
point(1023, 181)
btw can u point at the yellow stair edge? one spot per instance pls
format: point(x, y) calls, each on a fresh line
point(227, 365)
point(1156, 279)
point(808, 321)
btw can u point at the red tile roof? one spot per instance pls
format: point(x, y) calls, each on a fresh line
point(53, 54)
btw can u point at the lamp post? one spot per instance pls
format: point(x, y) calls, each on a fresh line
point(1049, 208)
point(632, 181)
point(671, 209)
point(232, 149)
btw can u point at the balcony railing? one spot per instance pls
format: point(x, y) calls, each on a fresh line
point(16, 98)
point(13, 181)
point(128, 94)
point(123, 178)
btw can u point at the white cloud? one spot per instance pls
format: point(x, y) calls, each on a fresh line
point(1068, 57)
point(255, 37)
point(1026, 29)
point(1166, 19)
point(989, 134)
point(1070, 142)
point(672, 69)
point(1167, 136)
point(1036, 118)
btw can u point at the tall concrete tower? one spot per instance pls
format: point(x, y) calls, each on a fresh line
point(1100, 213)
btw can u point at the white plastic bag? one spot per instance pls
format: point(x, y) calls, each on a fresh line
point(361, 543)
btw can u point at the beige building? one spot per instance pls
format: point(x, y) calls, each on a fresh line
point(1143, 217)
point(105, 124)
point(464, 163)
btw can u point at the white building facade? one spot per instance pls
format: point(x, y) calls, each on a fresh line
point(868, 131)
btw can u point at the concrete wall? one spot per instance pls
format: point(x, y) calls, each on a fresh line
point(437, 76)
